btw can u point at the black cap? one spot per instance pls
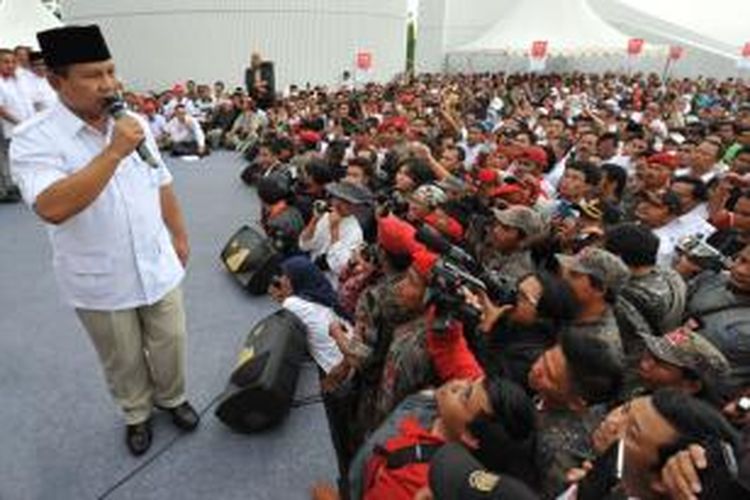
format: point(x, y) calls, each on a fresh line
point(73, 45)
point(456, 475)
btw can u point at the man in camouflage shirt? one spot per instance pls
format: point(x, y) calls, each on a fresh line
point(652, 301)
point(596, 277)
point(572, 381)
point(506, 250)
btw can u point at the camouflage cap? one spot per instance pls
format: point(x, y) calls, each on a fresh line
point(430, 195)
point(687, 349)
point(606, 267)
point(522, 218)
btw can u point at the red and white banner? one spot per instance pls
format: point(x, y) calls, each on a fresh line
point(539, 49)
point(676, 52)
point(364, 61)
point(635, 46)
point(743, 62)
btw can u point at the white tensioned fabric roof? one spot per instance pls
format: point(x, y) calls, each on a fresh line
point(570, 28)
point(20, 20)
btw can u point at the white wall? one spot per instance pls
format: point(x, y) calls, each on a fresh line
point(446, 24)
point(156, 43)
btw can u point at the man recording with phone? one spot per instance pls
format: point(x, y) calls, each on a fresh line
point(117, 232)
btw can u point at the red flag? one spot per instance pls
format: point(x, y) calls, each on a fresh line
point(364, 60)
point(635, 46)
point(676, 52)
point(539, 49)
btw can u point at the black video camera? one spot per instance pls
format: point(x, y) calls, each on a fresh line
point(455, 270)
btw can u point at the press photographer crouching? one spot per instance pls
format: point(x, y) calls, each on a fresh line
point(334, 233)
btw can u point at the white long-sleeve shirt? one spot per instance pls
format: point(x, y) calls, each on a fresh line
point(15, 100)
point(338, 253)
point(188, 131)
point(317, 319)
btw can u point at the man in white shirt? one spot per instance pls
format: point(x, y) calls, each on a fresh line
point(705, 162)
point(118, 236)
point(15, 107)
point(333, 236)
point(179, 98)
point(660, 211)
point(185, 134)
point(39, 90)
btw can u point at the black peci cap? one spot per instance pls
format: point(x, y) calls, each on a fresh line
point(73, 45)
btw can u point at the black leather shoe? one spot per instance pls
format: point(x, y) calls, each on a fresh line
point(138, 438)
point(184, 416)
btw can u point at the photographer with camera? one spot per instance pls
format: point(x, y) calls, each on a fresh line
point(491, 416)
point(333, 234)
point(281, 221)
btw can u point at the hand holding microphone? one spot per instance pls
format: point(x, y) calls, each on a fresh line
point(128, 134)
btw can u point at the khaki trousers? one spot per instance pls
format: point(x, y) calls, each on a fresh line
point(142, 352)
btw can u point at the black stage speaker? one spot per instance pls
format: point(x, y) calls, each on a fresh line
point(252, 259)
point(261, 388)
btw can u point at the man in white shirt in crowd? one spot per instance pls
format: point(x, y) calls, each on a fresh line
point(185, 134)
point(660, 211)
point(705, 162)
point(333, 235)
point(39, 90)
point(15, 107)
point(23, 62)
point(118, 236)
point(179, 97)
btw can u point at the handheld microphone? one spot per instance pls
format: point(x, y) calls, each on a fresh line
point(116, 108)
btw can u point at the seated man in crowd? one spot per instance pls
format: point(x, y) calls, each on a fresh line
point(221, 121)
point(186, 136)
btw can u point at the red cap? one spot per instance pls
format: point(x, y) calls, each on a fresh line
point(506, 189)
point(447, 226)
point(399, 123)
point(535, 154)
point(487, 176)
point(423, 261)
point(396, 236)
point(178, 88)
point(309, 137)
point(669, 160)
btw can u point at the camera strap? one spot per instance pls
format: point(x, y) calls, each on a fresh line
point(416, 454)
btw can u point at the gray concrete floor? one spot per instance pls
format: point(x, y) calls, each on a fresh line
point(61, 436)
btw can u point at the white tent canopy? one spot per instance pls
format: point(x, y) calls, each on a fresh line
point(569, 27)
point(20, 20)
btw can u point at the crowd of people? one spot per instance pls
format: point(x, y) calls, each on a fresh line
point(524, 284)
point(543, 270)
